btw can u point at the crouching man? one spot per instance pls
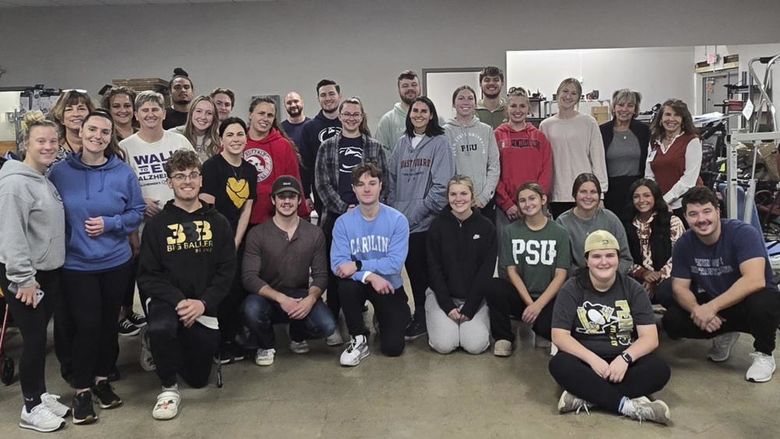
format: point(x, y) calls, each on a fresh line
point(187, 264)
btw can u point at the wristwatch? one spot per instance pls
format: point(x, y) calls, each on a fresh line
point(359, 265)
point(627, 358)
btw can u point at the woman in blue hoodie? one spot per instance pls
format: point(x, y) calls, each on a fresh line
point(418, 172)
point(103, 205)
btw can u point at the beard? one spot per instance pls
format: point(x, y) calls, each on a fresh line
point(406, 100)
point(489, 95)
point(184, 101)
point(294, 112)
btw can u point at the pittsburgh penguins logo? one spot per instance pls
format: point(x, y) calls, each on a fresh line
point(327, 133)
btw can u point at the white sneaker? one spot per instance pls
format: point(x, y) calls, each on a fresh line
point(146, 359)
point(721, 347)
point(570, 403)
point(265, 357)
point(553, 349)
point(356, 351)
point(335, 339)
point(299, 347)
point(167, 405)
point(40, 418)
point(762, 368)
point(502, 348)
point(52, 403)
point(653, 411)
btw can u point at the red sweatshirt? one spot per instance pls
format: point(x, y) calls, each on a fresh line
point(273, 157)
point(525, 155)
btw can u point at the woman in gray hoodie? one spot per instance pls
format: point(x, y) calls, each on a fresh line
point(418, 172)
point(475, 149)
point(32, 250)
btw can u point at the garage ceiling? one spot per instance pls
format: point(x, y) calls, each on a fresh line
point(65, 3)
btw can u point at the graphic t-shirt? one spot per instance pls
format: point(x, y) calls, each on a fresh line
point(715, 268)
point(604, 322)
point(147, 160)
point(536, 254)
point(231, 186)
point(350, 155)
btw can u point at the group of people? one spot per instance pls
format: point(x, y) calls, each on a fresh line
point(209, 219)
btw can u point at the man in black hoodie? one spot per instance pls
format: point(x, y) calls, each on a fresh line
point(187, 264)
point(325, 125)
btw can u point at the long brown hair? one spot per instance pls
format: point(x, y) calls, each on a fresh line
point(211, 134)
point(657, 129)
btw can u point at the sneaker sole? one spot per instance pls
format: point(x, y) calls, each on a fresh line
point(264, 362)
point(131, 333)
point(112, 405)
point(140, 325)
point(414, 337)
point(85, 421)
point(754, 380)
point(502, 354)
point(27, 426)
point(359, 359)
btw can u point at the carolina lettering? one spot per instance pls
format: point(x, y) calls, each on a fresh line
point(370, 243)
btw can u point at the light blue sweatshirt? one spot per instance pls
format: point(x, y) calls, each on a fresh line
point(110, 191)
point(380, 244)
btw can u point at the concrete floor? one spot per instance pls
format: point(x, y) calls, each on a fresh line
point(418, 395)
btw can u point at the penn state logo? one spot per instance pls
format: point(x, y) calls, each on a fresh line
point(262, 162)
point(327, 133)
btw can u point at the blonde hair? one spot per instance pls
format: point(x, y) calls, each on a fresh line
point(570, 81)
point(34, 119)
point(211, 134)
point(464, 180)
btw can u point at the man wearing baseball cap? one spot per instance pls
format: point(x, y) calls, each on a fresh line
point(280, 256)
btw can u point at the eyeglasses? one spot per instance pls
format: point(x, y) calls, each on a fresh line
point(194, 175)
point(351, 115)
point(517, 90)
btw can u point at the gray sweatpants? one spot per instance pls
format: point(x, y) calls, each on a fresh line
point(445, 335)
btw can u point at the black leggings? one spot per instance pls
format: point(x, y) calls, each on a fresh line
point(504, 301)
point(176, 349)
point(333, 300)
point(32, 324)
point(647, 375)
point(229, 312)
point(93, 300)
point(392, 312)
point(417, 268)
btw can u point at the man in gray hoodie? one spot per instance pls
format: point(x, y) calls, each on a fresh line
point(475, 149)
point(393, 123)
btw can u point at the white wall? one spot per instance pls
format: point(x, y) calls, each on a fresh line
point(657, 72)
point(270, 47)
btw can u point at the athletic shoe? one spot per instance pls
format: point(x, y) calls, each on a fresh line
point(229, 353)
point(83, 411)
point(762, 368)
point(416, 329)
point(40, 418)
point(356, 351)
point(127, 328)
point(299, 347)
point(52, 402)
point(105, 395)
point(553, 349)
point(167, 405)
point(265, 357)
point(335, 339)
point(721, 347)
point(570, 403)
point(653, 411)
point(146, 359)
point(502, 348)
point(136, 319)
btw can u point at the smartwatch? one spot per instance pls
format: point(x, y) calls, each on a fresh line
point(627, 358)
point(359, 265)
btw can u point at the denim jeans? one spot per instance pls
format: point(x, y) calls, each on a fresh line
point(260, 314)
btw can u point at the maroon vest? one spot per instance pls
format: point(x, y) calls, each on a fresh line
point(668, 168)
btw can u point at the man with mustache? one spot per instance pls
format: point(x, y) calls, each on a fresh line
point(182, 89)
point(491, 109)
point(722, 283)
point(393, 123)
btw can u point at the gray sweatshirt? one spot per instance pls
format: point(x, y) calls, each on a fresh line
point(476, 155)
point(579, 229)
point(32, 223)
point(417, 180)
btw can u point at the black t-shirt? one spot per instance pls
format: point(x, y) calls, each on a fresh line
point(350, 155)
point(231, 186)
point(174, 118)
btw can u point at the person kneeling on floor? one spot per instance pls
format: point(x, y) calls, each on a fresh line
point(370, 243)
point(280, 255)
point(605, 331)
point(727, 262)
point(187, 264)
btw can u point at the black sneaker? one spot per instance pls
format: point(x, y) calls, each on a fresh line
point(105, 395)
point(416, 329)
point(83, 411)
point(229, 353)
point(137, 319)
point(127, 328)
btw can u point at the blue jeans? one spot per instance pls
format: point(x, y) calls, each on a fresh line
point(260, 314)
